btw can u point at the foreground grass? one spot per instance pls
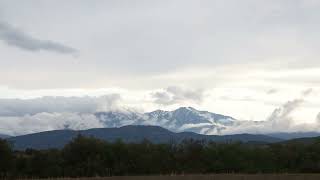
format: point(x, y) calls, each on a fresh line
point(205, 177)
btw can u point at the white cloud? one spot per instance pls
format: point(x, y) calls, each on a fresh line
point(280, 117)
point(318, 118)
point(280, 120)
point(178, 95)
point(18, 125)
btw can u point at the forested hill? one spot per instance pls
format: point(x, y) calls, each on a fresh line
point(128, 134)
point(90, 157)
point(4, 136)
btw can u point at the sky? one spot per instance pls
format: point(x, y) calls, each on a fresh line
point(245, 59)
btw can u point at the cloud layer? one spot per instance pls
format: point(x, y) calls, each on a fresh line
point(20, 107)
point(26, 124)
point(15, 37)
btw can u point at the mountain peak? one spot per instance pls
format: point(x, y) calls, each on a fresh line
point(186, 109)
point(180, 119)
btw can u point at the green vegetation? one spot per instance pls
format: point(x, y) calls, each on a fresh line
point(88, 157)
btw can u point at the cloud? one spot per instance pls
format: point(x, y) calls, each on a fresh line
point(280, 120)
point(48, 121)
point(176, 95)
point(280, 117)
point(22, 40)
point(318, 118)
point(307, 92)
point(18, 116)
point(272, 91)
point(49, 104)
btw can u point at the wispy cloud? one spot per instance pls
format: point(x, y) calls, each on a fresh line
point(318, 118)
point(280, 117)
point(280, 120)
point(15, 37)
point(272, 91)
point(18, 125)
point(176, 95)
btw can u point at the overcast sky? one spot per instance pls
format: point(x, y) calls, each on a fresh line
point(240, 58)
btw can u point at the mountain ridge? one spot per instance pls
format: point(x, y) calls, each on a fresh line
point(128, 134)
point(178, 120)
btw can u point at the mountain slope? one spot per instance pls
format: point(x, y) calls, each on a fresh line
point(129, 134)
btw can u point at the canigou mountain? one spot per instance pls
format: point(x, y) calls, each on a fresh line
point(182, 119)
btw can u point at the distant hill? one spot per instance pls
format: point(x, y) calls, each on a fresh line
point(3, 136)
point(306, 140)
point(294, 135)
point(129, 134)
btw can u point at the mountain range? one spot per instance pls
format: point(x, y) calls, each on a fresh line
point(158, 126)
point(180, 120)
point(186, 119)
point(128, 134)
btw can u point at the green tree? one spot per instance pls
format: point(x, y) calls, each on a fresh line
point(6, 158)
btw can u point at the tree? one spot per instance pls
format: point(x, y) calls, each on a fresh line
point(85, 156)
point(6, 158)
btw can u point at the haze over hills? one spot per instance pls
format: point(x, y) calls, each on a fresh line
point(128, 134)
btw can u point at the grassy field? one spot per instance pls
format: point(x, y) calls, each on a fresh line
point(209, 177)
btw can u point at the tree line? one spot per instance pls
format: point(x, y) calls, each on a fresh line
point(88, 157)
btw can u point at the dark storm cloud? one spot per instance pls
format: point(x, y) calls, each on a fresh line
point(22, 40)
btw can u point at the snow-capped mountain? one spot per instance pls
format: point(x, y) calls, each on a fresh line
point(181, 119)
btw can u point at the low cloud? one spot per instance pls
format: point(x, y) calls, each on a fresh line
point(48, 121)
point(19, 116)
point(318, 118)
point(20, 107)
point(22, 40)
point(176, 95)
point(280, 117)
point(280, 120)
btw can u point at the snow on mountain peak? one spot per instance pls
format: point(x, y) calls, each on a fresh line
point(181, 119)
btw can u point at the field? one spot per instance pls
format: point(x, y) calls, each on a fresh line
point(209, 177)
